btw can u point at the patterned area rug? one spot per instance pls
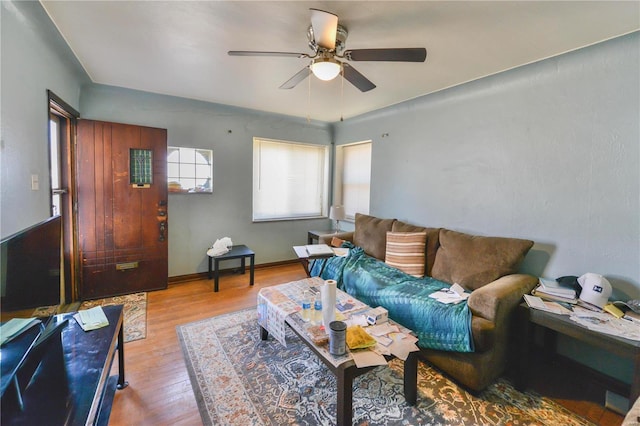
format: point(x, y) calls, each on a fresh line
point(135, 313)
point(240, 380)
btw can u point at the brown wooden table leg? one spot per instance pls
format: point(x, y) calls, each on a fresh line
point(344, 411)
point(251, 268)
point(122, 383)
point(216, 276)
point(411, 378)
point(263, 333)
point(635, 382)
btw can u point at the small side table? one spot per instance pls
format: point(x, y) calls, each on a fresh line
point(236, 252)
point(305, 258)
point(315, 235)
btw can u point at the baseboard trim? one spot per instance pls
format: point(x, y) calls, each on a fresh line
point(204, 275)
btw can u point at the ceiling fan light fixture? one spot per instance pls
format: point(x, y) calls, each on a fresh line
point(325, 68)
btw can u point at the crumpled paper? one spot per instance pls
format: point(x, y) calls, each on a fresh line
point(221, 246)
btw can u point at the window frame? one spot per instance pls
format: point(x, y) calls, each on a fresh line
point(338, 186)
point(322, 184)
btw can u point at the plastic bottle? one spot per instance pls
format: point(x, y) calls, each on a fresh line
point(306, 306)
point(317, 310)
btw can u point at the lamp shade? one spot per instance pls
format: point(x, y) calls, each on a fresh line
point(325, 68)
point(336, 213)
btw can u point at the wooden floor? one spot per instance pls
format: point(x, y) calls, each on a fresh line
point(159, 391)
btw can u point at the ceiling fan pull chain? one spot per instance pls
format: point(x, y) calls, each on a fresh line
point(309, 100)
point(342, 94)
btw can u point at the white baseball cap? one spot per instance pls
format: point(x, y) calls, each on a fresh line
point(595, 289)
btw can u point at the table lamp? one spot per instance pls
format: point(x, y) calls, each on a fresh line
point(337, 213)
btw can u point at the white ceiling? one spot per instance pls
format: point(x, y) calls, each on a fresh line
point(180, 48)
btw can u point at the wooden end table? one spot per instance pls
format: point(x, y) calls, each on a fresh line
point(554, 324)
point(315, 235)
point(237, 252)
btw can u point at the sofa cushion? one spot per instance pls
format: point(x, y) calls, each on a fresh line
point(474, 261)
point(405, 251)
point(431, 244)
point(371, 234)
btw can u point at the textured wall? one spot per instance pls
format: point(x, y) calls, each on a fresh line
point(197, 220)
point(547, 152)
point(34, 58)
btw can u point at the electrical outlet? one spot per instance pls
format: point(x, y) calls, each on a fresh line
point(35, 183)
point(616, 403)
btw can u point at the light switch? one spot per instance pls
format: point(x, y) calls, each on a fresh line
point(35, 183)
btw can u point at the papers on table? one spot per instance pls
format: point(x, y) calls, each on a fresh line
point(91, 319)
point(553, 307)
point(15, 327)
point(397, 344)
point(606, 323)
point(556, 288)
point(452, 295)
point(319, 250)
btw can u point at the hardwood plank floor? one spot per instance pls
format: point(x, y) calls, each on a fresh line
point(160, 392)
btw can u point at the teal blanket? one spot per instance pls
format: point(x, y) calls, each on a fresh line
point(437, 325)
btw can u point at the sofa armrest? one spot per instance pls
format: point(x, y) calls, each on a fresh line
point(497, 299)
point(326, 239)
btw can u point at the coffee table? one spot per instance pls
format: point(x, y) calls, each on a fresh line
point(343, 367)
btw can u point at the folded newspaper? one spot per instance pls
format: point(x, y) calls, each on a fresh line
point(452, 295)
point(91, 319)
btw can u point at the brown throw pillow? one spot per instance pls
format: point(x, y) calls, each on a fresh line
point(474, 261)
point(405, 251)
point(371, 234)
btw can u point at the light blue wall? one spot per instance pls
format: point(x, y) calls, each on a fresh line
point(548, 152)
point(34, 58)
point(197, 220)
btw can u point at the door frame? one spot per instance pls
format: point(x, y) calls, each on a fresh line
point(68, 117)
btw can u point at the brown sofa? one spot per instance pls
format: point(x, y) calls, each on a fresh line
point(486, 266)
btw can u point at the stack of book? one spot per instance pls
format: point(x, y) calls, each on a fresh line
point(555, 291)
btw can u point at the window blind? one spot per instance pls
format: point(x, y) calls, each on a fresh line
point(289, 180)
point(356, 178)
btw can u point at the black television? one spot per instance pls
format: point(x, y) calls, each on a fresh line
point(30, 266)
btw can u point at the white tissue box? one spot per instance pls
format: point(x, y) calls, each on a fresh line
point(377, 315)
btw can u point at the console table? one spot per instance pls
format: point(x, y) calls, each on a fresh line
point(71, 385)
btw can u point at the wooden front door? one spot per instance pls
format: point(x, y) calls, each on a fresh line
point(122, 223)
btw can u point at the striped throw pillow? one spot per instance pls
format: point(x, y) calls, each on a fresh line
point(405, 251)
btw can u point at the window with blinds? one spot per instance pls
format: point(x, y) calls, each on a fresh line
point(290, 180)
point(353, 178)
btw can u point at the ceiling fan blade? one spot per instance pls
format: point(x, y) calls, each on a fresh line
point(325, 26)
point(357, 79)
point(254, 53)
point(293, 81)
point(409, 54)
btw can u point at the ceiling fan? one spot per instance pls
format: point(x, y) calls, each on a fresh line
point(327, 41)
